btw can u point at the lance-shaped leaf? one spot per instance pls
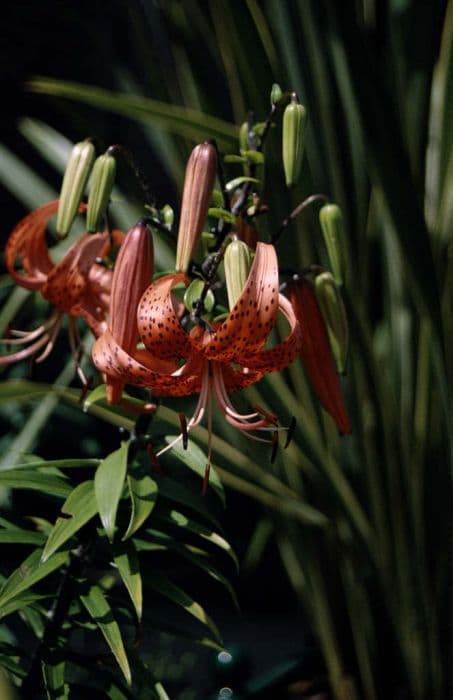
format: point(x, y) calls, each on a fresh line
point(80, 506)
point(54, 680)
point(32, 570)
point(126, 560)
point(167, 588)
point(34, 480)
point(109, 484)
point(143, 492)
point(99, 609)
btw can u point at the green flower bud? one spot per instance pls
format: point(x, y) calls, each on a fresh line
point(102, 179)
point(244, 137)
point(334, 314)
point(293, 139)
point(168, 215)
point(75, 179)
point(276, 93)
point(331, 221)
point(237, 262)
point(198, 185)
point(194, 292)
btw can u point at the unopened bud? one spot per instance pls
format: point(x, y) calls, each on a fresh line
point(237, 262)
point(193, 294)
point(198, 185)
point(244, 137)
point(168, 216)
point(293, 139)
point(276, 93)
point(75, 179)
point(334, 314)
point(131, 276)
point(331, 221)
point(102, 179)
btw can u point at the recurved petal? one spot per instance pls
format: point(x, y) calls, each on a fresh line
point(253, 316)
point(66, 282)
point(279, 357)
point(28, 243)
point(110, 358)
point(237, 379)
point(158, 322)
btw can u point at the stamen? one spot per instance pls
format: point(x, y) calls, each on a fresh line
point(270, 417)
point(208, 464)
point(26, 352)
point(184, 433)
point(50, 345)
point(291, 429)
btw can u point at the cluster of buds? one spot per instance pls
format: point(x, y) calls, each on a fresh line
point(212, 339)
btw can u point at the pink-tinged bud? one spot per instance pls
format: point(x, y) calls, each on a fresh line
point(198, 185)
point(315, 352)
point(132, 274)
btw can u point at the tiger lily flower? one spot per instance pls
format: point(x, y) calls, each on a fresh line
point(76, 285)
point(210, 361)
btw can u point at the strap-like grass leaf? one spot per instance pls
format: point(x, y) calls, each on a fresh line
point(108, 486)
point(189, 123)
point(28, 573)
point(167, 588)
point(31, 479)
point(125, 558)
point(16, 535)
point(54, 680)
point(80, 506)
point(99, 609)
point(174, 491)
point(143, 494)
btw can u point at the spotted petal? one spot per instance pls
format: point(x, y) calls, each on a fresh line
point(66, 282)
point(253, 316)
point(158, 322)
point(279, 357)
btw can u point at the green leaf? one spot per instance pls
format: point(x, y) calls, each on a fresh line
point(143, 492)
point(194, 556)
point(80, 506)
point(36, 463)
point(189, 123)
point(54, 683)
point(219, 213)
point(99, 609)
point(167, 588)
point(28, 573)
point(33, 480)
point(181, 521)
point(233, 158)
point(21, 602)
point(176, 492)
point(238, 181)
point(108, 486)
point(194, 458)
point(126, 560)
point(256, 157)
point(16, 535)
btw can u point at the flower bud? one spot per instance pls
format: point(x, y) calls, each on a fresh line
point(194, 292)
point(131, 276)
point(276, 93)
point(293, 139)
point(168, 216)
point(244, 137)
point(198, 185)
point(102, 180)
point(331, 221)
point(237, 262)
point(316, 353)
point(334, 314)
point(75, 179)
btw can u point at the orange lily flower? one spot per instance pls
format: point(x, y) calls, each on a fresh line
point(77, 285)
point(211, 361)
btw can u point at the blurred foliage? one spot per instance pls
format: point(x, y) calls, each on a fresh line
point(376, 81)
